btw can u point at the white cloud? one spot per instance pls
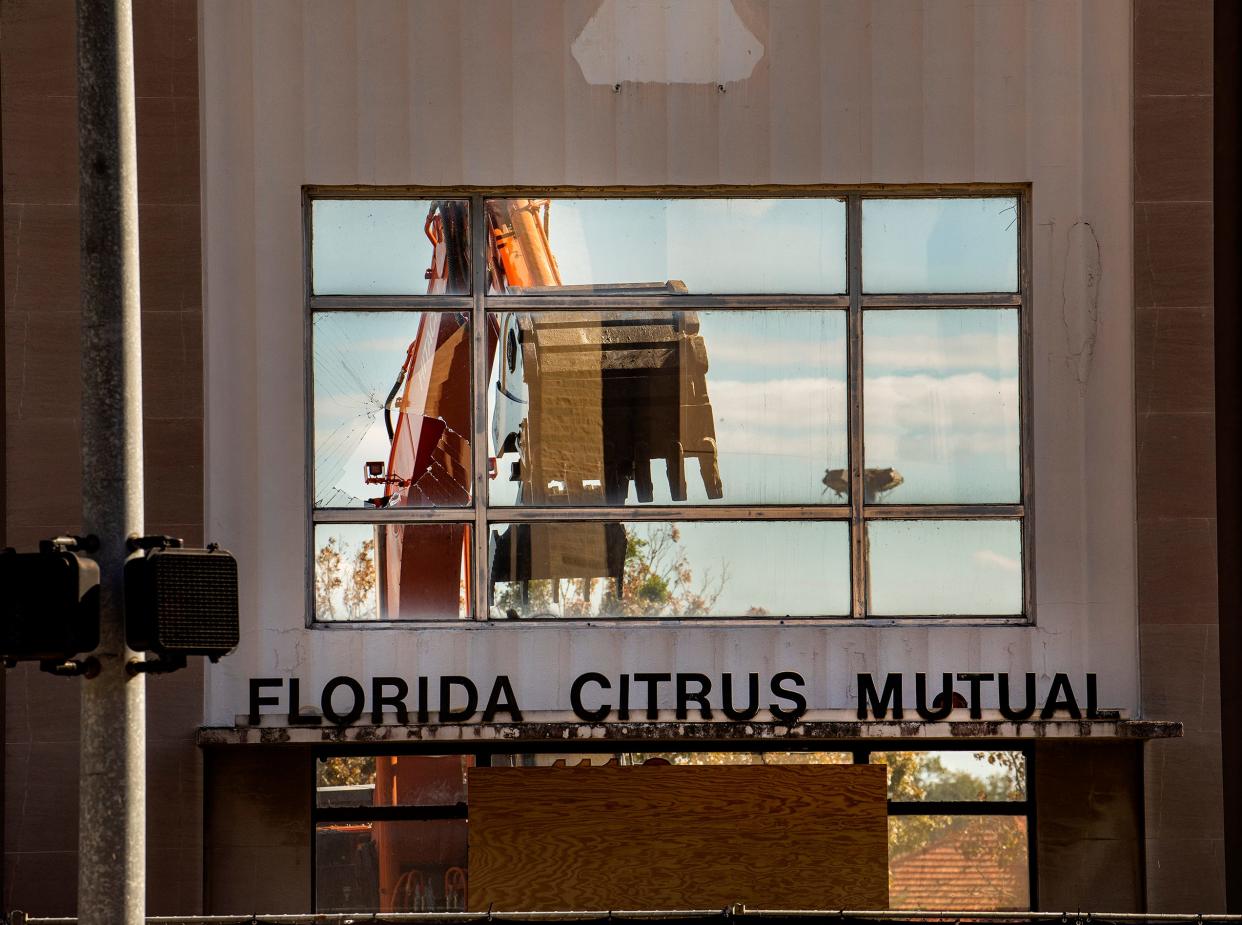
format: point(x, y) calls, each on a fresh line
point(795, 417)
point(778, 353)
point(991, 559)
point(992, 352)
point(924, 417)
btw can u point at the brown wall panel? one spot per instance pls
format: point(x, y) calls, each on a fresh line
point(1089, 825)
point(1176, 452)
point(257, 839)
point(678, 837)
point(43, 461)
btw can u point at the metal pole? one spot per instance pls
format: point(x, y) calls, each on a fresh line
point(4, 521)
point(112, 815)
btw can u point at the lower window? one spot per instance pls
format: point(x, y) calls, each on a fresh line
point(391, 831)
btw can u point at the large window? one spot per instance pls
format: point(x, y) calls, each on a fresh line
point(739, 407)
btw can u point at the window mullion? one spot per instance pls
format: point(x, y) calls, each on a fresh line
point(858, 535)
point(977, 511)
point(480, 369)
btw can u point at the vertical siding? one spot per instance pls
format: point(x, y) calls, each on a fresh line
point(795, 118)
point(848, 92)
point(845, 94)
point(384, 68)
point(435, 91)
point(999, 103)
point(538, 78)
point(948, 79)
point(229, 261)
point(895, 33)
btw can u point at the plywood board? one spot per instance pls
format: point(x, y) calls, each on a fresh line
point(678, 837)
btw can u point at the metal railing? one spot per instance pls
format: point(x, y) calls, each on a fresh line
point(728, 914)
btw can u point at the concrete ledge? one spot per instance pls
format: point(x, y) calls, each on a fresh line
point(547, 732)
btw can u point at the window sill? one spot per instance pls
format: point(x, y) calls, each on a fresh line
point(272, 732)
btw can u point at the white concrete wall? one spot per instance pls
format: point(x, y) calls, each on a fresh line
point(845, 91)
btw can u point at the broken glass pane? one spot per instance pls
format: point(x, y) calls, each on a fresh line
point(940, 406)
point(392, 572)
point(629, 246)
point(945, 567)
point(390, 247)
point(940, 245)
point(392, 409)
point(709, 407)
point(684, 569)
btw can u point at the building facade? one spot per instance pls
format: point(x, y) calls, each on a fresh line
point(845, 350)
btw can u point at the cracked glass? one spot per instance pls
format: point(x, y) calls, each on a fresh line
point(940, 245)
point(392, 420)
point(390, 247)
point(704, 378)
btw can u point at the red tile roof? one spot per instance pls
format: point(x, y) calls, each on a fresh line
point(965, 867)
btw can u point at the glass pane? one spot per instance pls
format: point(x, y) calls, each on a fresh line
point(712, 407)
point(994, 777)
point(958, 862)
point(940, 245)
point(940, 406)
point(945, 567)
point(594, 246)
point(558, 760)
point(392, 780)
point(392, 572)
point(740, 758)
point(390, 246)
point(702, 569)
point(391, 866)
point(596, 759)
point(392, 409)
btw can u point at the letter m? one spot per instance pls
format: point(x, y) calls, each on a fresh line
point(879, 704)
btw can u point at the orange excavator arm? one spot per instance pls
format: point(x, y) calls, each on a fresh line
point(584, 416)
point(519, 254)
point(429, 459)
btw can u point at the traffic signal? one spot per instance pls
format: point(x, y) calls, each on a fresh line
point(50, 603)
point(181, 602)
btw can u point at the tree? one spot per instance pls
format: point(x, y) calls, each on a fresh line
point(728, 758)
point(352, 770)
point(353, 590)
point(921, 776)
point(327, 579)
point(359, 591)
point(656, 581)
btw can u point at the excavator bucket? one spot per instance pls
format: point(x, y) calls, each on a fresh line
point(608, 394)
